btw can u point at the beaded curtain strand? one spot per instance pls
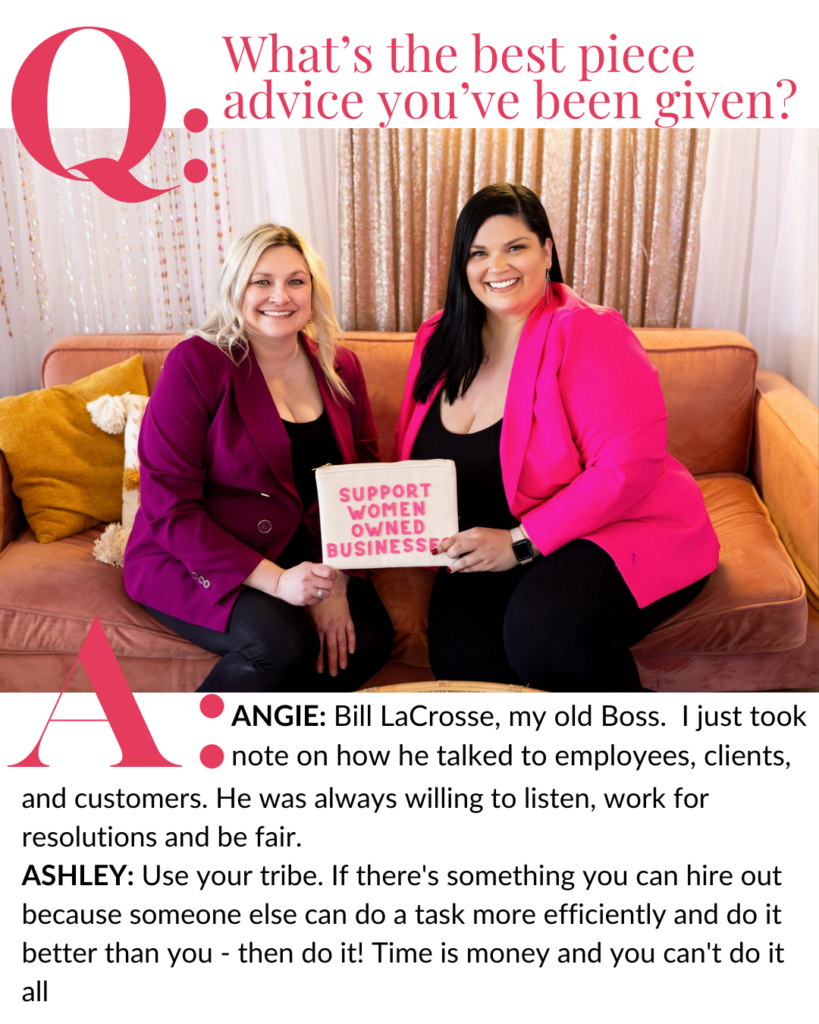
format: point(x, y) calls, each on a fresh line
point(169, 198)
point(3, 301)
point(155, 233)
point(123, 245)
point(125, 220)
point(90, 239)
point(198, 236)
point(148, 263)
point(182, 281)
point(227, 190)
point(121, 249)
point(12, 246)
point(69, 269)
point(35, 247)
point(74, 246)
point(214, 168)
point(105, 247)
point(133, 287)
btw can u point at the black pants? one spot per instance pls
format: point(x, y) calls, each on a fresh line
point(271, 645)
point(564, 622)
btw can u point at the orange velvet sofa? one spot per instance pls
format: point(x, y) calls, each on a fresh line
point(748, 436)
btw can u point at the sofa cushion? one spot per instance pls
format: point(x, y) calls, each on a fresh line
point(47, 673)
point(754, 602)
point(385, 363)
point(50, 594)
point(707, 379)
point(797, 669)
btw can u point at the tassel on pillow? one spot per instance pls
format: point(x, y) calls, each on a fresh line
point(108, 412)
point(113, 414)
point(110, 547)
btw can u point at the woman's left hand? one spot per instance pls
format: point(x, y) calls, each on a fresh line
point(334, 625)
point(480, 550)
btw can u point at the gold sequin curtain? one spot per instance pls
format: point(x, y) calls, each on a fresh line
point(624, 206)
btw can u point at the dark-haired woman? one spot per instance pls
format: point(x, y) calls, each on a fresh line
point(579, 533)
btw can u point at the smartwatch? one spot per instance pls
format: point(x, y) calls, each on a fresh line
point(523, 548)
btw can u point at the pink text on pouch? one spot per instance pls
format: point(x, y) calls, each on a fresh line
point(397, 529)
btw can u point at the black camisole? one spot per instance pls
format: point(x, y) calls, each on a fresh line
point(481, 497)
point(312, 444)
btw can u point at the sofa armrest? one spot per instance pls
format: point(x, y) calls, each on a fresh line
point(785, 469)
point(11, 511)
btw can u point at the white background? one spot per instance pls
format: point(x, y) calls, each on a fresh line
point(747, 49)
point(754, 819)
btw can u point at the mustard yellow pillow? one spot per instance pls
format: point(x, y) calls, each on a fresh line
point(66, 472)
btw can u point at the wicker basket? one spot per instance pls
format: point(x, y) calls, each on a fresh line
point(449, 686)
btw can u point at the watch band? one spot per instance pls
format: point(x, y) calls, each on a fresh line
point(521, 546)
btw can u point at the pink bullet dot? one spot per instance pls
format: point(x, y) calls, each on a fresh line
point(196, 120)
point(212, 706)
point(211, 756)
point(196, 170)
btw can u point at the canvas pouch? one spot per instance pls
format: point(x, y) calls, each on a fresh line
point(386, 514)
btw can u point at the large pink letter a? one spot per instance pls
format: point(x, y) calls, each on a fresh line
point(121, 710)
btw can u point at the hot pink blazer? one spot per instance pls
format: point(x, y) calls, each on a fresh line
point(216, 478)
point(583, 448)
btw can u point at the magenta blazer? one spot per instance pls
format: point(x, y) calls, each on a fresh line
point(583, 448)
point(216, 478)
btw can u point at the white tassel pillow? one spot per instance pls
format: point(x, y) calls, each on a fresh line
point(113, 414)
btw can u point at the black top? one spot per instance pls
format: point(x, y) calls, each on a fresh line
point(481, 498)
point(312, 444)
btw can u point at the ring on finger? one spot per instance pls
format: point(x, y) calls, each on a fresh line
point(319, 593)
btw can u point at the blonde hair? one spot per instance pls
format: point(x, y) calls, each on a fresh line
point(226, 327)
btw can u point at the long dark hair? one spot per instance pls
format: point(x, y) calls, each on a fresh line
point(454, 353)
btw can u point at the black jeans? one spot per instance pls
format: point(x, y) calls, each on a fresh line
point(270, 645)
point(564, 622)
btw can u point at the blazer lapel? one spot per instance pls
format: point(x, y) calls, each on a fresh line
point(416, 420)
point(340, 420)
point(261, 417)
point(520, 398)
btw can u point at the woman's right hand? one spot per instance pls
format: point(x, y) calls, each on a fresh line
point(299, 586)
point(305, 584)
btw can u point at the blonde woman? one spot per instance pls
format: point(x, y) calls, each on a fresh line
point(225, 549)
